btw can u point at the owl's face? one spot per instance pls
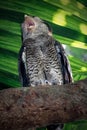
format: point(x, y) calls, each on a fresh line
point(34, 26)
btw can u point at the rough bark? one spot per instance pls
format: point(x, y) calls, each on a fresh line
point(23, 108)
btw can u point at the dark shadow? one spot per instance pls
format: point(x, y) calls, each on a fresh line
point(84, 2)
point(6, 33)
point(35, 7)
point(7, 52)
point(4, 86)
point(8, 80)
point(11, 15)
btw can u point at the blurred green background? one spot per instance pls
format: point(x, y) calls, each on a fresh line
point(68, 19)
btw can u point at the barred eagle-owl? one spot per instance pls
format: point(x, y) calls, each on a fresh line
point(42, 59)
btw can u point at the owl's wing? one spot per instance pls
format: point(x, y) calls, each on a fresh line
point(22, 67)
point(65, 65)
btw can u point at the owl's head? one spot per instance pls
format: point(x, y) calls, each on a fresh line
point(34, 26)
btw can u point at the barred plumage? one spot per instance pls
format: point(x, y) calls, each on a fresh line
point(42, 60)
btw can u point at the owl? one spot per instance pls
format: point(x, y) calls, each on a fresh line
point(42, 59)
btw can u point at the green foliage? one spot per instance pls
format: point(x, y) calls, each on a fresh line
point(78, 125)
point(69, 23)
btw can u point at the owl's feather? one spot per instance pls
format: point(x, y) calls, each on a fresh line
point(42, 59)
point(48, 68)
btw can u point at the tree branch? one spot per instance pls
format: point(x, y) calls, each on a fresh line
point(23, 108)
